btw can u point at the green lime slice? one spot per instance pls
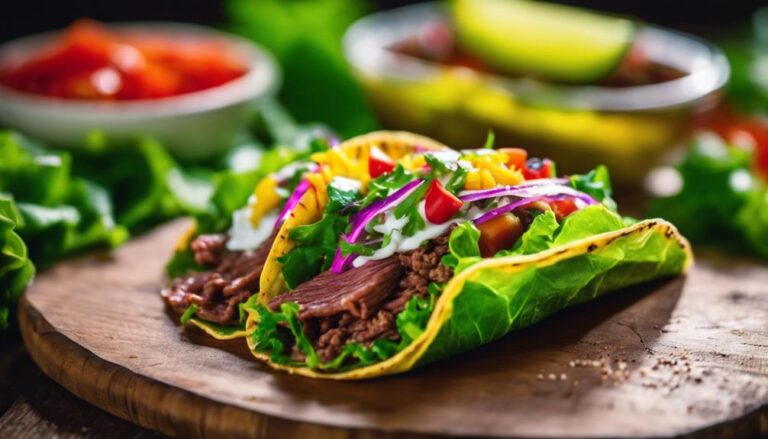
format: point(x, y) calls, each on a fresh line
point(552, 41)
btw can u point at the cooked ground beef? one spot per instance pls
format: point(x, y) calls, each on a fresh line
point(362, 303)
point(232, 279)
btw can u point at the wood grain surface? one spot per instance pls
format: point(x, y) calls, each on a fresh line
point(687, 356)
point(34, 406)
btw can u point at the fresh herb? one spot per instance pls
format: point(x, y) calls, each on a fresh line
point(316, 242)
point(490, 140)
point(188, 314)
point(437, 165)
point(410, 208)
point(359, 249)
point(456, 183)
point(381, 186)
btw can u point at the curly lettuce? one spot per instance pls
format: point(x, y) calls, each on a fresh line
point(16, 270)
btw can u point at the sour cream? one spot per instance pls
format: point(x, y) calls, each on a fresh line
point(243, 236)
point(399, 243)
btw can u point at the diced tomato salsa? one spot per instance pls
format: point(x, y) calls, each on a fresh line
point(91, 63)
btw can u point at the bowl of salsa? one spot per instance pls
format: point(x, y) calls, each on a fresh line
point(419, 76)
point(187, 86)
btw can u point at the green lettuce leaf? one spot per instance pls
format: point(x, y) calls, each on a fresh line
point(495, 301)
point(589, 221)
point(16, 270)
point(278, 330)
point(721, 201)
point(62, 213)
point(539, 236)
point(752, 221)
point(596, 183)
point(463, 246)
point(544, 233)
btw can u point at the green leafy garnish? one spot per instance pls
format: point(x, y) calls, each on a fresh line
point(456, 183)
point(409, 208)
point(381, 186)
point(597, 184)
point(316, 242)
point(360, 249)
point(188, 314)
point(463, 246)
point(721, 201)
point(16, 270)
point(490, 140)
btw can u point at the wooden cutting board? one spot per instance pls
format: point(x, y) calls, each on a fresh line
point(685, 356)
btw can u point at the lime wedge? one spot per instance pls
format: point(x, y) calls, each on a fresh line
point(552, 41)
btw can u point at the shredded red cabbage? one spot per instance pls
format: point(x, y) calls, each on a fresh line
point(292, 201)
point(534, 189)
point(524, 202)
point(362, 218)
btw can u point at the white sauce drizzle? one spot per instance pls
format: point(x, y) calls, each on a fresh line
point(346, 184)
point(399, 243)
point(242, 234)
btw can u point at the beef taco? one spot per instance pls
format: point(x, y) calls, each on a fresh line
point(442, 254)
point(229, 266)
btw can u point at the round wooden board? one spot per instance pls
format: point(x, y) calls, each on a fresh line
point(683, 356)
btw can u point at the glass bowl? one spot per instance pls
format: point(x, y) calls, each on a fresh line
point(630, 129)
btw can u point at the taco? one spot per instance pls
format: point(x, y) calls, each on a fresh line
point(441, 256)
point(229, 265)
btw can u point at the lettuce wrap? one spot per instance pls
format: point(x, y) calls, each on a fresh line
point(215, 274)
point(441, 258)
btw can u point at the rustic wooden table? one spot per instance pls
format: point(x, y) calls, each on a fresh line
point(32, 405)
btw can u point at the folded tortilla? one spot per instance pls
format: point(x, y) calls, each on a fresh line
point(498, 295)
point(352, 163)
point(396, 144)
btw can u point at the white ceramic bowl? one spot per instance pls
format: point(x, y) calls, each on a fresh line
point(192, 126)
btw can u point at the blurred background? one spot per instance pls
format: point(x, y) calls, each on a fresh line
point(707, 16)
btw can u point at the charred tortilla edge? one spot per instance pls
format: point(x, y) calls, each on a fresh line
point(407, 358)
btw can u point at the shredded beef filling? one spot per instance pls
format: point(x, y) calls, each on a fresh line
point(233, 277)
point(361, 304)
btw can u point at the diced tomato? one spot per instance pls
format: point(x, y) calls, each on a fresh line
point(499, 233)
point(89, 62)
point(439, 204)
point(538, 168)
point(379, 163)
point(564, 207)
point(517, 157)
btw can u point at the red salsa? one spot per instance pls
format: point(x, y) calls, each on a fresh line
point(89, 62)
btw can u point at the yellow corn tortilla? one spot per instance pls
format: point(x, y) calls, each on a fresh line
point(396, 144)
point(644, 251)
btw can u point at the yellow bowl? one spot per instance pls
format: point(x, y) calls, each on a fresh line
point(630, 129)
